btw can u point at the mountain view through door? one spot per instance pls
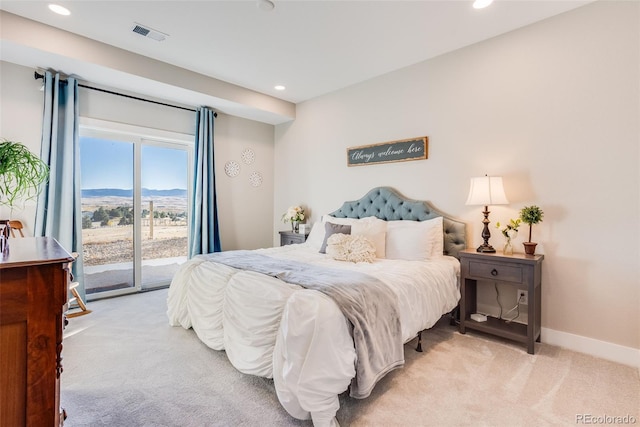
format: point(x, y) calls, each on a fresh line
point(134, 218)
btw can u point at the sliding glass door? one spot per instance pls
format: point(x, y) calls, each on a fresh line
point(134, 208)
point(107, 171)
point(163, 212)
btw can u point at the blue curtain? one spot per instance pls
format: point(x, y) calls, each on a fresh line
point(59, 213)
point(203, 230)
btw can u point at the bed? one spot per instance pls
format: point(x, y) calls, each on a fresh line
point(259, 307)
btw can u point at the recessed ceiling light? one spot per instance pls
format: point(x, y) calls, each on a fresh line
point(279, 87)
point(59, 9)
point(481, 4)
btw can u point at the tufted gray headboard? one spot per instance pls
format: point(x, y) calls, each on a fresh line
point(389, 205)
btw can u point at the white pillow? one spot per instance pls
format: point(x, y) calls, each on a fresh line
point(345, 247)
point(415, 240)
point(370, 227)
point(436, 235)
point(316, 236)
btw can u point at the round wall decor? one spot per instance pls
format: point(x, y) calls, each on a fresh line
point(232, 168)
point(248, 156)
point(255, 179)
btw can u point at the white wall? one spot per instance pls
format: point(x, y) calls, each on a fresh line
point(20, 120)
point(246, 212)
point(553, 108)
point(240, 227)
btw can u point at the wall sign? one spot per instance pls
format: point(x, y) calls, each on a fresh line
point(394, 151)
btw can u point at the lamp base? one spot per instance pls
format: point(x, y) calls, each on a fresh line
point(486, 248)
point(486, 234)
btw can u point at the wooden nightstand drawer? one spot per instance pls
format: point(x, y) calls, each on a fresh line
point(291, 238)
point(494, 271)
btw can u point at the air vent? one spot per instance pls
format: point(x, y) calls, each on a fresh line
point(145, 31)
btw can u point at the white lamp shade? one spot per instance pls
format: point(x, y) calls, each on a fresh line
point(486, 190)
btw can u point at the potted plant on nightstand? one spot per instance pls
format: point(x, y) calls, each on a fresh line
point(531, 215)
point(21, 174)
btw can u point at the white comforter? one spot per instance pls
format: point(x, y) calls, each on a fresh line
point(296, 336)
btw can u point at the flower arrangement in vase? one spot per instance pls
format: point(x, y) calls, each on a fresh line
point(295, 214)
point(531, 215)
point(509, 231)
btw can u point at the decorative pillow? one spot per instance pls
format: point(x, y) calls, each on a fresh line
point(343, 247)
point(370, 227)
point(415, 240)
point(329, 230)
point(343, 221)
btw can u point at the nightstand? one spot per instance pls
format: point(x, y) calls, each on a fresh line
point(518, 270)
point(291, 238)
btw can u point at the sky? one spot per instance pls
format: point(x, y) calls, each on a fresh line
point(109, 164)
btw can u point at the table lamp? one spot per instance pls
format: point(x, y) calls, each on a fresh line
point(486, 190)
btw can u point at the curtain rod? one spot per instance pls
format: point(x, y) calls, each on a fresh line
point(38, 76)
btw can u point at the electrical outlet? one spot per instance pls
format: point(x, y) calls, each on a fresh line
point(523, 297)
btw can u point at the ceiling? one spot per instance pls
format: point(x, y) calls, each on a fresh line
point(311, 47)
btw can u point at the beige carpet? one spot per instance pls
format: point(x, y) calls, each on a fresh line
point(125, 366)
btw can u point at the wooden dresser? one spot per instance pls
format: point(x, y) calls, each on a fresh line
point(34, 276)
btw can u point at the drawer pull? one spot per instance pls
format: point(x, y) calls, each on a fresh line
point(496, 271)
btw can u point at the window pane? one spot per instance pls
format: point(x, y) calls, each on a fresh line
point(107, 213)
point(164, 213)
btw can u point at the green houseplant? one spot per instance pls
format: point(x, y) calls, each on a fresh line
point(21, 176)
point(531, 215)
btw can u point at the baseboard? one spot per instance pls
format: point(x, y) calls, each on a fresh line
point(602, 349)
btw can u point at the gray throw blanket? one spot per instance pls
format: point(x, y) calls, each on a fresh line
point(370, 306)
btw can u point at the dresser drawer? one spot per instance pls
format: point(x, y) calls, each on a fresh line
point(495, 271)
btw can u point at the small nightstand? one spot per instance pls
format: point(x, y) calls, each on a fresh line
point(291, 238)
point(518, 270)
